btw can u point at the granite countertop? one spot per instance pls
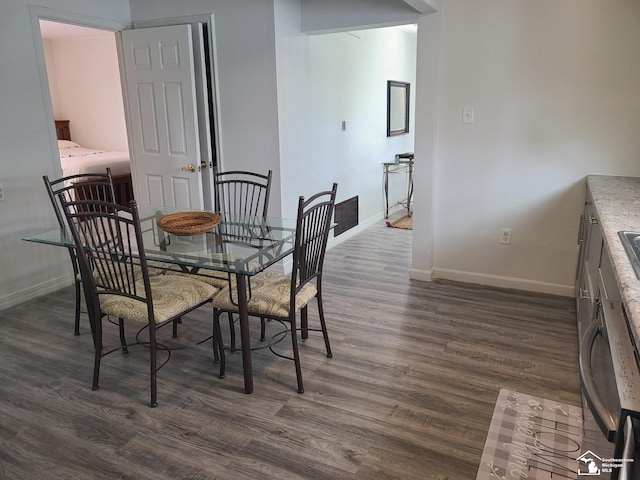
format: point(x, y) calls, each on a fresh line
point(617, 204)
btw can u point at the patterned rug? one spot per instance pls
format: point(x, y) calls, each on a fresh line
point(405, 222)
point(531, 437)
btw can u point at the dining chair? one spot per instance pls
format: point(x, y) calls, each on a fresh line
point(97, 186)
point(243, 194)
point(116, 281)
point(246, 194)
point(278, 296)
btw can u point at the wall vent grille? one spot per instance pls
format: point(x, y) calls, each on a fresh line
point(346, 215)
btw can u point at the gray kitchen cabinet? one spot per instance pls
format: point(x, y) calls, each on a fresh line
point(591, 241)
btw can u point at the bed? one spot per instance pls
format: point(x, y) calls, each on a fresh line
point(76, 160)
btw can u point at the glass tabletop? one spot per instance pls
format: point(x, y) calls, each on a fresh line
point(238, 244)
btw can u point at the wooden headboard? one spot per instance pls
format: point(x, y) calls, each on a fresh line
point(62, 130)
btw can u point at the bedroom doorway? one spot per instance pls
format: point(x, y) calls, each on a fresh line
point(97, 115)
point(84, 86)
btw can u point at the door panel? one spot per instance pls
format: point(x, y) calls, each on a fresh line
point(161, 95)
point(153, 189)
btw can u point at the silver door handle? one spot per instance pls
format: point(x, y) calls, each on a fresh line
point(583, 222)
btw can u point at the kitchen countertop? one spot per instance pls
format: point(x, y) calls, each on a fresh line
point(617, 204)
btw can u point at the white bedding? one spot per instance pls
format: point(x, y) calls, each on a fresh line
point(76, 159)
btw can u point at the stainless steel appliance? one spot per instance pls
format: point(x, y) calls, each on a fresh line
point(610, 379)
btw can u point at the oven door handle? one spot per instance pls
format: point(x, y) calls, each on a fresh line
point(603, 417)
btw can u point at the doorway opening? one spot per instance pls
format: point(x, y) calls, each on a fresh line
point(86, 98)
point(91, 96)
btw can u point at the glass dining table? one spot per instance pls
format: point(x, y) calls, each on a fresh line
point(240, 246)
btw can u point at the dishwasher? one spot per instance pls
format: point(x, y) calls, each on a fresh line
point(610, 381)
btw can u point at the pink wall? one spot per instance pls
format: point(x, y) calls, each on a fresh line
point(84, 81)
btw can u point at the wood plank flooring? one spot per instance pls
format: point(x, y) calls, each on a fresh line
point(408, 394)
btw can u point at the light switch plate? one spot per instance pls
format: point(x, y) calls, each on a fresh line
point(467, 115)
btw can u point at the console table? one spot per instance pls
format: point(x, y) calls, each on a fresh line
point(403, 164)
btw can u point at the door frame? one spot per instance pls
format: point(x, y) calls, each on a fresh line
point(38, 13)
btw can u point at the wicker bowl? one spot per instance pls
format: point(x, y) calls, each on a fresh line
point(188, 223)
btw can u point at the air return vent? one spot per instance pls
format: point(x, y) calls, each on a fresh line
point(346, 215)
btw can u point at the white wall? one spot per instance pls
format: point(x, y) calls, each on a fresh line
point(27, 148)
point(84, 77)
point(245, 56)
point(323, 80)
point(554, 83)
point(556, 90)
point(52, 77)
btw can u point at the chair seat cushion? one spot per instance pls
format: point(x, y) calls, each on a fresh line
point(212, 277)
point(270, 296)
point(171, 296)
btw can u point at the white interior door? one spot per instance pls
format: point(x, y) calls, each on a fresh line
point(162, 112)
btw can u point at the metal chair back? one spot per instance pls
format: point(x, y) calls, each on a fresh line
point(86, 186)
point(110, 251)
point(242, 193)
point(312, 233)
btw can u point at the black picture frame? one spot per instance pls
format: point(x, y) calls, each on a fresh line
point(398, 95)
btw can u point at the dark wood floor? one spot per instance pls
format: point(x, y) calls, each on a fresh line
point(409, 393)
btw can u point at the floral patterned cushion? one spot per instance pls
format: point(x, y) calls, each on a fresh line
point(270, 294)
point(212, 277)
point(171, 296)
point(158, 268)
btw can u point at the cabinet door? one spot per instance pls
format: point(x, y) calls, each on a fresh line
point(590, 239)
point(594, 250)
point(609, 281)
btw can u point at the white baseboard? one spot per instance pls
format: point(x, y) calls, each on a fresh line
point(333, 241)
point(35, 291)
point(421, 275)
point(503, 282)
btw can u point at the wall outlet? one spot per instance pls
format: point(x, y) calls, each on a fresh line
point(1, 192)
point(505, 236)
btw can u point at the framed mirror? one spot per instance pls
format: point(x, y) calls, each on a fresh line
point(397, 108)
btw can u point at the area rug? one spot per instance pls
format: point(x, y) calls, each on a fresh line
point(531, 437)
point(405, 222)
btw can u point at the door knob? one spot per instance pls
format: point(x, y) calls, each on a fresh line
point(192, 168)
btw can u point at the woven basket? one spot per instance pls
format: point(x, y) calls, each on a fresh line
point(188, 223)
